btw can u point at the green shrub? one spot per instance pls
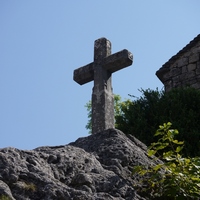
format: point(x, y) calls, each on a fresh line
point(180, 106)
point(177, 177)
point(140, 116)
point(4, 197)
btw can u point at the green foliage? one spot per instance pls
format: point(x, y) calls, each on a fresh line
point(176, 177)
point(89, 110)
point(4, 197)
point(181, 106)
point(140, 116)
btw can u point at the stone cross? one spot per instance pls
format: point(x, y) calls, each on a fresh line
point(100, 71)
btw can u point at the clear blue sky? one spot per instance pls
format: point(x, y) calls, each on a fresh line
point(42, 42)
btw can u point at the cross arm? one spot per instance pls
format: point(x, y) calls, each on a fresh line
point(111, 63)
point(84, 74)
point(118, 61)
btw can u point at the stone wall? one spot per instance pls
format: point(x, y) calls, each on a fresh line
point(183, 69)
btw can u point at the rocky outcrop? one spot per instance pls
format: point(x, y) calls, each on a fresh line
point(96, 167)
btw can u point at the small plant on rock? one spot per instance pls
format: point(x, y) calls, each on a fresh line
point(175, 177)
point(4, 197)
point(30, 187)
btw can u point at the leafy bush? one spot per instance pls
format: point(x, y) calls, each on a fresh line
point(176, 177)
point(180, 106)
point(142, 115)
point(4, 197)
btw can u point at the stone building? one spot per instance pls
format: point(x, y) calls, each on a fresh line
point(183, 69)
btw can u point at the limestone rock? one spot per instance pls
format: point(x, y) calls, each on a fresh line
point(96, 167)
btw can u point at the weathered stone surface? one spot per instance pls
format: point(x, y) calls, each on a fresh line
point(191, 67)
point(194, 58)
point(182, 61)
point(184, 65)
point(101, 71)
point(96, 167)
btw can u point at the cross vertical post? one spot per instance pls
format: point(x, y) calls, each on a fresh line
point(102, 96)
point(101, 72)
